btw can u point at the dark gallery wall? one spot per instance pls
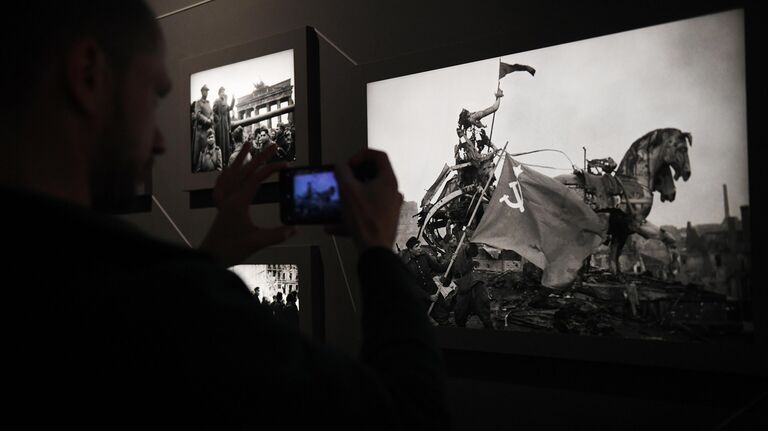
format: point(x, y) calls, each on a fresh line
point(484, 390)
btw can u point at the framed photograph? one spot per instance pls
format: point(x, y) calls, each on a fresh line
point(289, 280)
point(588, 199)
point(263, 92)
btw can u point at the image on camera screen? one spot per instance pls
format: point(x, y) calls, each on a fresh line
point(316, 196)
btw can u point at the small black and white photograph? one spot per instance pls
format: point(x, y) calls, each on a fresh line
point(252, 102)
point(598, 187)
point(275, 286)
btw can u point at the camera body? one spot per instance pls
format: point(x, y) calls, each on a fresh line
point(310, 194)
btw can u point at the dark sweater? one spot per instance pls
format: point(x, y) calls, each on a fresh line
point(109, 328)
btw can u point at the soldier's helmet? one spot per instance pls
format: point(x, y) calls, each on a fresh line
point(412, 241)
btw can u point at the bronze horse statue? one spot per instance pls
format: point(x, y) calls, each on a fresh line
point(627, 196)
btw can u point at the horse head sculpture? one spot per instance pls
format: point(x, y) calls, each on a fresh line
point(658, 159)
point(673, 156)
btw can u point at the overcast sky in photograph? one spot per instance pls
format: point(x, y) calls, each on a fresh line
point(240, 78)
point(602, 94)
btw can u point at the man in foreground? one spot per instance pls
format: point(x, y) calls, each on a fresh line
point(110, 329)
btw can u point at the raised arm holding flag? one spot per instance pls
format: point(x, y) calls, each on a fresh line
point(505, 69)
point(467, 119)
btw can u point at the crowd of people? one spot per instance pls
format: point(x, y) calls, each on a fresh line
point(216, 145)
point(286, 311)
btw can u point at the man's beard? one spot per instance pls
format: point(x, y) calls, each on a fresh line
point(114, 176)
point(112, 191)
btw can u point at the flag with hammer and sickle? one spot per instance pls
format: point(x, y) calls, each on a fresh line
point(542, 220)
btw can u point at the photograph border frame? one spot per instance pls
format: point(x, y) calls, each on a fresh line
point(311, 283)
point(739, 357)
point(304, 44)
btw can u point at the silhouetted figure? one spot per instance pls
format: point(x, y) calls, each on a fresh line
point(140, 333)
point(291, 311)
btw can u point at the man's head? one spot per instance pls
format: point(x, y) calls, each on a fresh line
point(413, 243)
point(464, 118)
point(222, 93)
point(291, 298)
point(263, 136)
point(204, 92)
point(96, 69)
point(288, 136)
point(211, 138)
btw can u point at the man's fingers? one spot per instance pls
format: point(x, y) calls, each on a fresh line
point(236, 172)
point(380, 160)
point(265, 154)
point(257, 177)
point(347, 182)
point(257, 162)
point(244, 150)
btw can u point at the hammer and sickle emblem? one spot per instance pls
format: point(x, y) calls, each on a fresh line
point(518, 203)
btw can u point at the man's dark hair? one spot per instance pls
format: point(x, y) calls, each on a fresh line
point(464, 118)
point(291, 297)
point(40, 31)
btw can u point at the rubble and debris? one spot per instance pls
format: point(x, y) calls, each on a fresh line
point(626, 305)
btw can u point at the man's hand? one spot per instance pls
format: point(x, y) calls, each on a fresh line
point(233, 236)
point(499, 93)
point(371, 209)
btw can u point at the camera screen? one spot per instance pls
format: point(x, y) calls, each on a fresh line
point(316, 196)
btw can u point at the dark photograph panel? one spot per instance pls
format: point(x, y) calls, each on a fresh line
point(595, 188)
point(250, 101)
point(275, 286)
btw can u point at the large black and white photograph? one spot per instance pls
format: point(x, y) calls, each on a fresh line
point(246, 102)
point(597, 187)
point(275, 286)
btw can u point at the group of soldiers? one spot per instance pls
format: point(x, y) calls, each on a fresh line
point(286, 311)
point(460, 291)
point(215, 144)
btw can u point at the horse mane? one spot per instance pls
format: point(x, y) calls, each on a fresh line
point(647, 142)
point(663, 179)
point(629, 161)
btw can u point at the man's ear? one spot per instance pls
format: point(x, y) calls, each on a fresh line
point(88, 77)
